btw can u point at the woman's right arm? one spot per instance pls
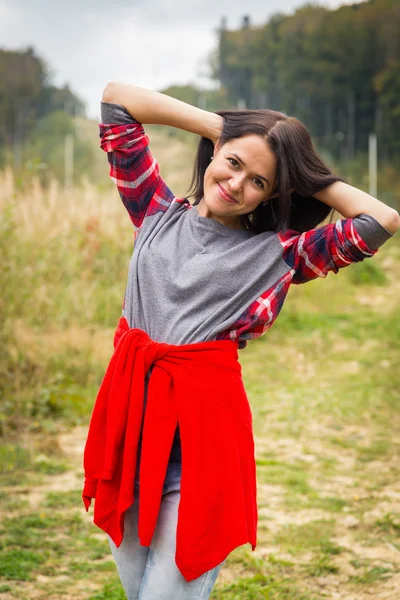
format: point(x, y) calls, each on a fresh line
point(149, 107)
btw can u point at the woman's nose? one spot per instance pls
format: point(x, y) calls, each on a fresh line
point(236, 182)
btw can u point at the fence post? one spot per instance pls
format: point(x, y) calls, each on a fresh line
point(373, 164)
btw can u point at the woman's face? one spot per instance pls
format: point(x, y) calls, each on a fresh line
point(240, 176)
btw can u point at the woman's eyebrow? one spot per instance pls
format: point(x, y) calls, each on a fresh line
point(240, 160)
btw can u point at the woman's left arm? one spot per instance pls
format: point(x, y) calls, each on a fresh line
point(351, 202)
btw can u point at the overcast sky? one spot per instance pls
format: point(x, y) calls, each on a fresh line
point(151, 43)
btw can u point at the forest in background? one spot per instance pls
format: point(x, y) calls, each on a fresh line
point(338, 71)
point(35, 118)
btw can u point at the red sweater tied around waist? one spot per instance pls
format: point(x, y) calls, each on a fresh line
point(198, 386)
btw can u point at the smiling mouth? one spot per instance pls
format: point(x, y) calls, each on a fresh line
point(225, 194)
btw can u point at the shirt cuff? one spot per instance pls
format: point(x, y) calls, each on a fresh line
point(115, 114)
point(370, 231)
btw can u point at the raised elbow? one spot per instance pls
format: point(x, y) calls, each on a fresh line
point(394, 225)
point(110, 92)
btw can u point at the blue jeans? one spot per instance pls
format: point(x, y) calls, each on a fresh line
point(150, 573)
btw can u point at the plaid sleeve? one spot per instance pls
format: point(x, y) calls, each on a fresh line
point(329, 248)
point(134, 170)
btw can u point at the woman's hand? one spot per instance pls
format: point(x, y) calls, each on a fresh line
point(150, 107)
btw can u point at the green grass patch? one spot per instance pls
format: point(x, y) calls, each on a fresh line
point(271, 578)
point(314, 535)
point(314, 500)
point(372, 576)
point(84, 567)
point(292, 476)
point(378, 450)
point(19, 464)
point(10, 502)
point(18, 564)
point(111, 591)
point(329, 503)
point(37, 530)
point(13, 457)
point(94, 545)
point(50, 466)
point(261, 587)
point(320, 566)
point(367, 273)
point(389, 524)
point(69, 499)
point(347, 442)
point(53, 542)
point(305, 322)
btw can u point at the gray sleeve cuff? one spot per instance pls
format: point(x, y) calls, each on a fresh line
point(372, 232)
point(114, 114)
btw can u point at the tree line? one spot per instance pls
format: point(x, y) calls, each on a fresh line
point(338, 71)
point(36, 116)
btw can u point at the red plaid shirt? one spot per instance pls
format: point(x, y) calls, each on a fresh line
point(308, 255)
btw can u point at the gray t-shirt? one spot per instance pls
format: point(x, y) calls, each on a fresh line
point(192, 279)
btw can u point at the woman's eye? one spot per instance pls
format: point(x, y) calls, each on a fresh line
point(256, 180)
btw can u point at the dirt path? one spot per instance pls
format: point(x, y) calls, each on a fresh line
point(382, 555)
point(71, 444)
point(363, 562)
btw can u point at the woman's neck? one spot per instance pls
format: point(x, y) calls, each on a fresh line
point(230, 222)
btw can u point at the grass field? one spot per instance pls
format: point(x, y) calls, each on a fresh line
point(323, 384)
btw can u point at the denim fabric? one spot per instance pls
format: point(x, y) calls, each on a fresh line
point(150, 573)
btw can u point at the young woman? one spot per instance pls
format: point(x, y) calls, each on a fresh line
point(170, 451)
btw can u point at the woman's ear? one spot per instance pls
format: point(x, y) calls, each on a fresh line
point(217, 146)
point(272, 196)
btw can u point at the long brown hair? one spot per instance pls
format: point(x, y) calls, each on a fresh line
point(299, 168)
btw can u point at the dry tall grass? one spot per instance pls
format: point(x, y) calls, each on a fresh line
point(65, 256)
point(64, 262)
point(47, 214)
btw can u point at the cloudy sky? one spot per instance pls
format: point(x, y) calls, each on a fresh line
point(151, 43)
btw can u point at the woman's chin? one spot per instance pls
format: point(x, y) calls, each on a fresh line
point(220, 207)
